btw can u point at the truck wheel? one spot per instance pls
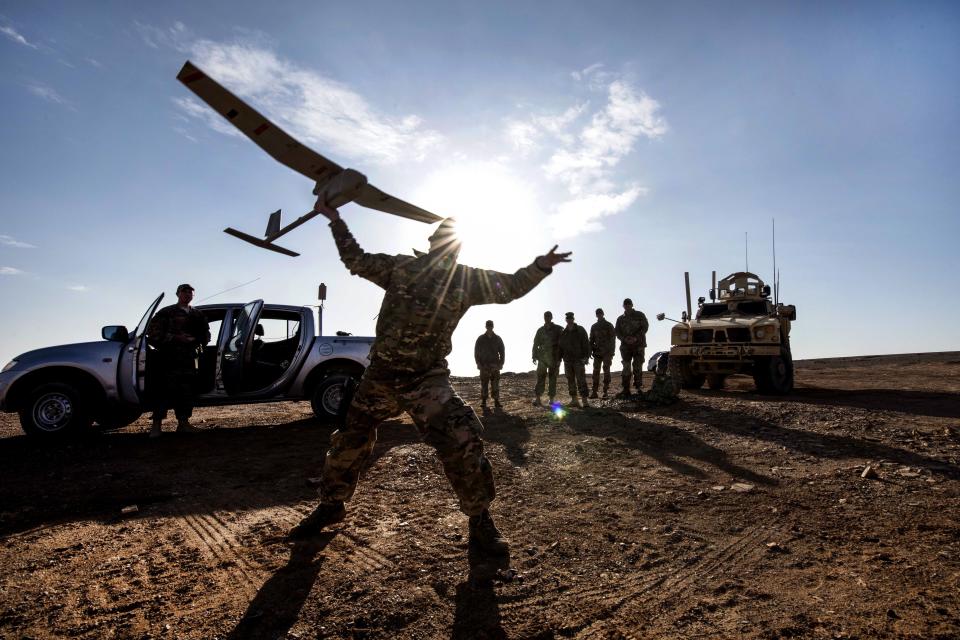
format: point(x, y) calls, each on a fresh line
point(682, 375)
point(716, 381)
point(54, 410)
point(774, 375)
point(332, 396)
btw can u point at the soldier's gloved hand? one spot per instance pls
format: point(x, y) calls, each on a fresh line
point(552, 258)
point(329, 212)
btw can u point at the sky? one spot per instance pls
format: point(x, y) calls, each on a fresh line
point(649, 139)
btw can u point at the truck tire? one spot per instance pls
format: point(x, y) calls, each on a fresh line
point(54, 410)
point(680, 372)
point(716, 381)
point(331, 398)
point(774, 375)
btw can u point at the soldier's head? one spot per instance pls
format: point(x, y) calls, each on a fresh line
point(547, 317)
point(569, 317)
point(599, 313)
point(184, 294)
point(662, 365)
point(444, 241)
point(489, 325)
point(627, 303)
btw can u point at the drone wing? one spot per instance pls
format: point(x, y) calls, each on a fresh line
point(269, 137)
point(373, 198)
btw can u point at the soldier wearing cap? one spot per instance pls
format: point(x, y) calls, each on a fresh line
point(546, 355)
point(575, 352)
point(177, 334)
point(632, 330)
point(603, 344)
point(489, 355)
point(425, 298)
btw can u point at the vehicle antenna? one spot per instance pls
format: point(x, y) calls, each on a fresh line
point(746, 251)
point(230, 289)
point(776, 286)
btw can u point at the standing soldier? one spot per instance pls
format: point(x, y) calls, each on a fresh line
point(489, 355)
point(425, 297)
point(575, 351)
point(632, 330)
point(546, 355)
point(178, 334)
point(603, 344)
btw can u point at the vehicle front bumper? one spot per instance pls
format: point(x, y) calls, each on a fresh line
point(725, 353)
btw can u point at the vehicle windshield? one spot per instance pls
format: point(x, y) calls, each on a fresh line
point(747, 307)
point(713, 310)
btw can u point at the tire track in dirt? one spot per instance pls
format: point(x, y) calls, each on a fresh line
point(217, 542)
point(350, 548)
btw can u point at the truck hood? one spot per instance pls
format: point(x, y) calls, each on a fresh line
point(77, 353)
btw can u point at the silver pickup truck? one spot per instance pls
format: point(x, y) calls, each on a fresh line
point(258, 353)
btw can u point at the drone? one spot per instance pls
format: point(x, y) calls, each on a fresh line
point(335, 186)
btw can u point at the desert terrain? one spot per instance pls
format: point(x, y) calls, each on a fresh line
point(727, 515)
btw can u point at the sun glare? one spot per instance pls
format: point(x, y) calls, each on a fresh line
point(496, 211)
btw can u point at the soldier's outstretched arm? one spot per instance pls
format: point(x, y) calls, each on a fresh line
point(493, 287)
point(375, 267)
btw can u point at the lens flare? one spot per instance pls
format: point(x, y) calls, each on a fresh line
point(559, 413)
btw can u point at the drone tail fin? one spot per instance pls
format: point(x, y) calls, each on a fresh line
point(273, 225)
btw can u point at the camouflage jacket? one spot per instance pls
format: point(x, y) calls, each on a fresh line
point(546, 344)
point(574, 344)
point(633, 324)
point(172, 321)
point(603, 338)
point(662, 391)
point(425, 298)
point(488, 351)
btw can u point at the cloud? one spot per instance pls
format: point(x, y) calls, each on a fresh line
point(585, 73)
point(582, 215)
point(93, 62)
point(10, 241)
point(49, 94)
point(10, 271)
point(525, 135)
point(13, 35)
point(315, 109)
point(80, 288)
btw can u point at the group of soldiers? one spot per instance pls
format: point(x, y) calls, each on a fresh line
point(572, 346)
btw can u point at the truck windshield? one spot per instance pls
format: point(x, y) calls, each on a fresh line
point(713, 310)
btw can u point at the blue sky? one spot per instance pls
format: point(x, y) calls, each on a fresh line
point(645, 138)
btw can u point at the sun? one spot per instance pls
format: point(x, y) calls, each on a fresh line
point(496, 212)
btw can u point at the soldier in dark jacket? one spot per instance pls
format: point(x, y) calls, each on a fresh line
point(425, 297)
point(177, 334)
point(632, 330)
point(489, 355)
point(546, 355)
point(603, 344)
point(575, 351)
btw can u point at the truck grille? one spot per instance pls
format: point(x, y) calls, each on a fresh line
point(734, 334)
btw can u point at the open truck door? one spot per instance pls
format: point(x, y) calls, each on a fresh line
point(132, 376)
point(237, 354)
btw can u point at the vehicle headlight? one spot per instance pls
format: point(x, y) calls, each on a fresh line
point(765, 334)
point(9, 365)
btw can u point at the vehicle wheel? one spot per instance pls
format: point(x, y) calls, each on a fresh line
point(716, 381)
point(54, 410)
point(774, 375)
point(118, 419)
point(680, 372)
point(331, 397)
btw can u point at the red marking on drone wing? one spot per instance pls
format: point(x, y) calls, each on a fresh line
point(261, 128)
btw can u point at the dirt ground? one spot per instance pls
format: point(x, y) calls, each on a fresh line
point(727, 515)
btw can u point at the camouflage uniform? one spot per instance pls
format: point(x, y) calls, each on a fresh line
point(173, 363)
point(603, 344)
point(546, 351)
point(632, 324)
point(662, 392)
point(425, 298)
point(489, 355)
point(574, 351)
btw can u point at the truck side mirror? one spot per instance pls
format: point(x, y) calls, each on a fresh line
point(661, 316)
point(115, 333)
point(713, 295)
point(683, 316)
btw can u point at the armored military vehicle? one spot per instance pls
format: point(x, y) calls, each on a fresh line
point(740, 330)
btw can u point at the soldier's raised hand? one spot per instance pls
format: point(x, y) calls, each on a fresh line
point(553, 258)
point(329, 212)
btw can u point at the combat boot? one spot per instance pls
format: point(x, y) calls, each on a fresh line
point(184, 426)
point(326, 514)
point(537, 402)
point(485, 535)
point(593, 395)
point(496, 404)
point(155, 429)
point(605, 393)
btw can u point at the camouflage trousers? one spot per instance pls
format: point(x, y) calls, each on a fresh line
point(662, 391)
point(172, 384)
point(605, 362)
point(576, 373)
point(490, 376)
point(544, 372)
point(632, 358)
point(443, 420)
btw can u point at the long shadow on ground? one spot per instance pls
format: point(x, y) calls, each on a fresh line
point(219, 469)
